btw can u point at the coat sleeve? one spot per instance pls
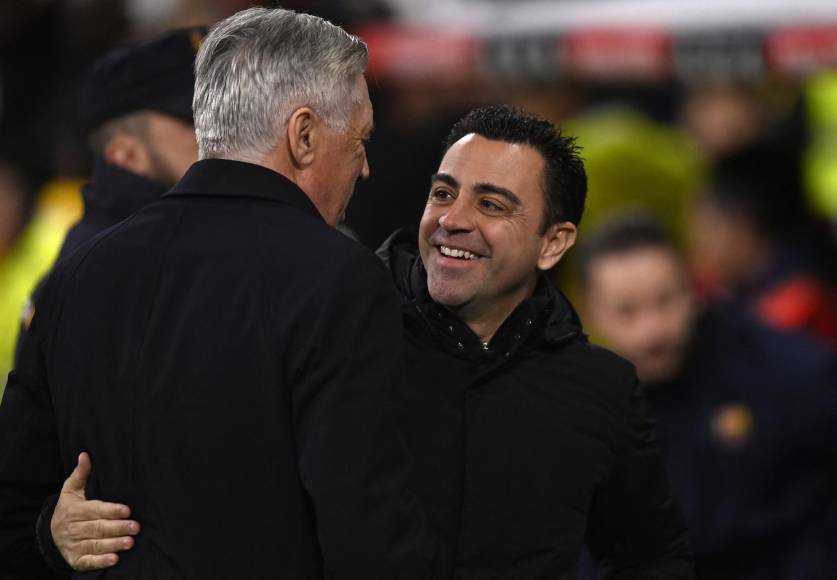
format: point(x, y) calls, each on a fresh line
point(352, 455)
point(636, 530)
point(30, 463)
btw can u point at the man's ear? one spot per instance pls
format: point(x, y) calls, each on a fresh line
point(558, 238)
point(304, 127)
point(128, 152)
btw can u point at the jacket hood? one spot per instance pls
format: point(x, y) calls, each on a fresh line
point(547, 312)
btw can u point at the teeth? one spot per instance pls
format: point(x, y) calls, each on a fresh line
point(453, 253)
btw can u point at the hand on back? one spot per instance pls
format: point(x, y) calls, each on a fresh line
point(90, 533)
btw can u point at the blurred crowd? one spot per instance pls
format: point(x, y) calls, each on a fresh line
point(707, 249)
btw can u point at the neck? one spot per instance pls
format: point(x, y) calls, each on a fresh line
point(486, 319)
point(485, 327)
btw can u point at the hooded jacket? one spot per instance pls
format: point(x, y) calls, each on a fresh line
point(531, 445)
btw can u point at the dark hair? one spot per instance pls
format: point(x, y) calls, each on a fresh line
point(565, 181)
point(761, 182)
point(624, 234)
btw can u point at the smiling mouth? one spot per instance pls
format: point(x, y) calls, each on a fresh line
point(457, 254)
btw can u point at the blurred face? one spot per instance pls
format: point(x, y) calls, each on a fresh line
point(727, 249)
point(639, 302)
point(342, 161)
point(172, 148)
point(721, 119)
point(479, 237)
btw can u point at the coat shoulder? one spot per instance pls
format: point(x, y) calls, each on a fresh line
point(612, 377)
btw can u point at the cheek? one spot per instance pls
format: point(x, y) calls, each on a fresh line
point(519, 249)
point(426, 229)
point(429, 222)
point(188, 151)
point(179, 147)
point(621, 333)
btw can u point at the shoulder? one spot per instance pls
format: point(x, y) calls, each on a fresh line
point(600, 369)
point(342, 256)
point(779, 358)
point(326, 266)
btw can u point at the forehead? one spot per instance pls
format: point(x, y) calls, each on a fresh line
point(475, 159)
point(362, 117)
point(635, 274)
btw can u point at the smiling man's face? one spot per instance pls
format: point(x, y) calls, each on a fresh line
point(480, 237)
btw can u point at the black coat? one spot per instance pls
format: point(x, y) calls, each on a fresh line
point(231, 363)
point(526, 448)
point(112, 195)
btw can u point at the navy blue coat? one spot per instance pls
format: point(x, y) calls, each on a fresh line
point(749, 433)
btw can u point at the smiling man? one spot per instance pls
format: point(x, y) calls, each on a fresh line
point(529, 440)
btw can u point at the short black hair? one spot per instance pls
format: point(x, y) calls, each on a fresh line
point(624, 234)
point(565, 180)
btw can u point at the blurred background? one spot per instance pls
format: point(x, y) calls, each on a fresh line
point(718, 118)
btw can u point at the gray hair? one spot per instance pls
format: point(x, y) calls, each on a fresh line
point(257, 67)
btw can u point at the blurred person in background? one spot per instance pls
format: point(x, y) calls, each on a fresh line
point(28, 247)
point(745, 415)
point(136, 110)
point(137, 115)
point(723, 117)
point(754, 243)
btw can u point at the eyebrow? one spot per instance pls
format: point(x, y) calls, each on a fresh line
point(496, 189)
point(444, 178)
point(479, 187)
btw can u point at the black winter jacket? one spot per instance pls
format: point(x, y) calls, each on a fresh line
point(530, 446)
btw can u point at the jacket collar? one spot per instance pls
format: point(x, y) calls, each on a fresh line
point(116, 193)
point(545, 316)
point(227, 178)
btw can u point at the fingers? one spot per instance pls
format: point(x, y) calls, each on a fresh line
point(97, 510)
point(99, 529)
point(105, 547)
point(100, 554)
point(78, 478)
point(87, 563)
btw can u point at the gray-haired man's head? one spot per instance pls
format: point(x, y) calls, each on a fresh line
point(257, 66)
point(286, 91)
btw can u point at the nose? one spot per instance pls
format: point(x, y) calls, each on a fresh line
point(651, 325)
point(457, 217)
point(364, 171)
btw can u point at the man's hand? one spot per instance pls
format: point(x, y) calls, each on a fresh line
point(90, 533)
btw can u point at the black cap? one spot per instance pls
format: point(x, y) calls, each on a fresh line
point(155, 75)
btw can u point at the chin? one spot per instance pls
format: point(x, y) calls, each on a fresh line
point(447, 298)
point(658, 373)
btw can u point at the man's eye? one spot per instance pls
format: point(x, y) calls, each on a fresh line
point(489, 205)
point(440, 194)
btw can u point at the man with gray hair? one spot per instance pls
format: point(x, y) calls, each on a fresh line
point(228, 323)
